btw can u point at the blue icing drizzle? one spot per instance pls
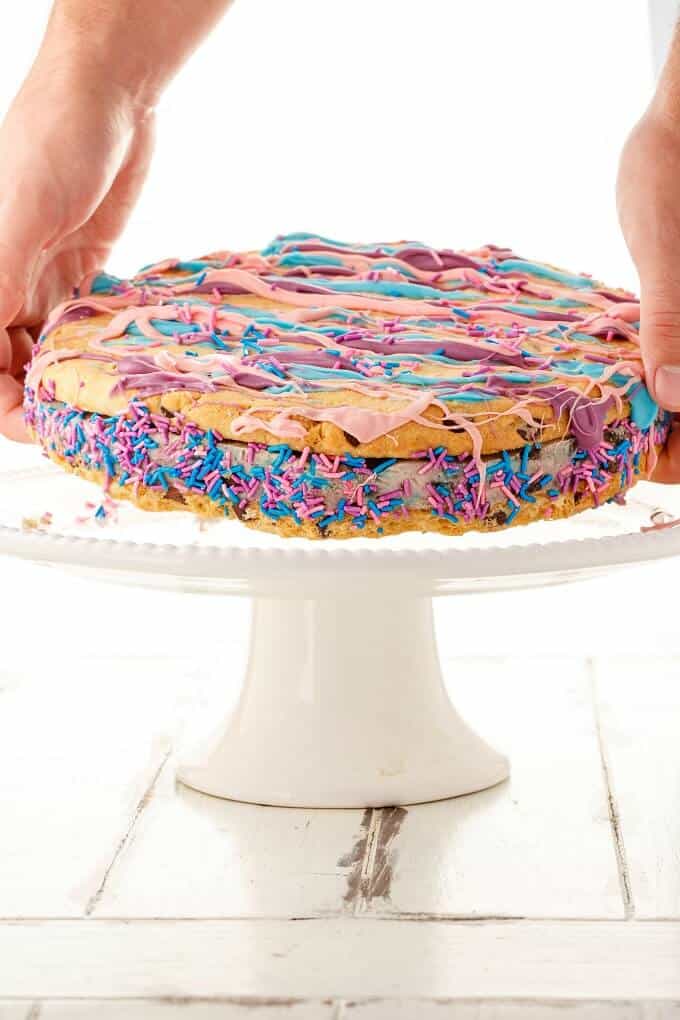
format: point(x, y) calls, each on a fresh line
point(400, 267)
point(393, 288)
point(299, 258)
point(104, 283)
point(168, 327)
point(197, 265)
point(521, 377)
point(279, 243)
point(312, 372)
point(643, 408)
point(466, 396)
point(545, 272)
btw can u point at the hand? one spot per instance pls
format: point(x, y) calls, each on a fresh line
point(649, 211)
point(74, 152)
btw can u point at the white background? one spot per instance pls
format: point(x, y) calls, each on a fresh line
point(455, 123)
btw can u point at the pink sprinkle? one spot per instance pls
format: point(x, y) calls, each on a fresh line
point(434, 496)
point(509, 495)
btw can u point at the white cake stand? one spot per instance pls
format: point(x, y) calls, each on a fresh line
point(343, 703)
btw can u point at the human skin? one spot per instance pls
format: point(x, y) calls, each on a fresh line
point(75, 148)
point(648, 194)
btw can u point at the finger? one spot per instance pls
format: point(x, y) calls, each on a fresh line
point(21, 343)
point(11, 412)
point(660, 336)
point(5, 351)
point(23, 236)
point(16, 346)
point(111, 216)
point(667, 469)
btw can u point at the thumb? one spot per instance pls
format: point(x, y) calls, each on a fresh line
point(660, 336)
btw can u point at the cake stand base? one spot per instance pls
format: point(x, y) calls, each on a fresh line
point(343, 706)
point(343, 703)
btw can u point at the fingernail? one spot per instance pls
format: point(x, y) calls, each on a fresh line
point(667, 386)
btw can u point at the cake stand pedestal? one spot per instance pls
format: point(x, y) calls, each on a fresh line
point(344, 706)
point(343, 703)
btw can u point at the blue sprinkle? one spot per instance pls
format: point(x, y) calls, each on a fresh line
point(385, 465)
point(446, 516)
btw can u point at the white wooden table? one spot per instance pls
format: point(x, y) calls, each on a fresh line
point(124, 896)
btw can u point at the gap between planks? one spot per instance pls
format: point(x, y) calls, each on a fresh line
point(142, 804)
point(375, 915)
point(612, 804)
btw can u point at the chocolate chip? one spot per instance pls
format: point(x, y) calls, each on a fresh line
point(615, 435)
point(499, 517)
point(174, 495)
point(528, 433)
point(451, 425)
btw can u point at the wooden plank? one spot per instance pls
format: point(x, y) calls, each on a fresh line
point(143, 1009)
point(198, 856)
point(463, 622)
point(200, 627)
point(639, 707)
point(385, 1009)
point(80, 749)
point(351, 958)
point(537, 846)
point(18, 1011)
point(411, 1009)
